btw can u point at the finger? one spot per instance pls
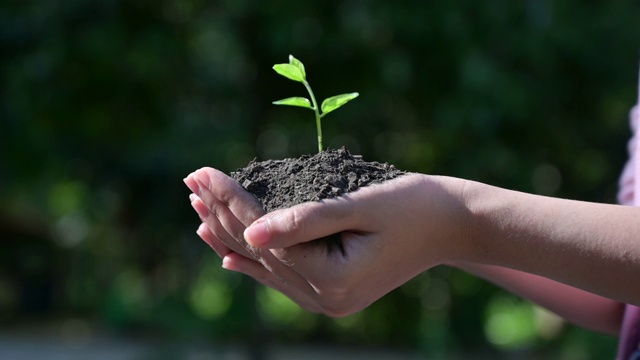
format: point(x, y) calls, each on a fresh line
point(303, 223)
point(234, 207)
point(238, 263)
point(220, 212)
point(228, 229)
point(218, 230)
point(231, 194)
point(263, 268)
point(208, 237)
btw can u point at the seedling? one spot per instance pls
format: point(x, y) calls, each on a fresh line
point(294, 70)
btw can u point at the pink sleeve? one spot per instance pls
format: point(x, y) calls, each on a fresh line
point(629, 344)
point(627, 185)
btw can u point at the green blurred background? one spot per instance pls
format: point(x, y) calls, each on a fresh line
point(107, 105)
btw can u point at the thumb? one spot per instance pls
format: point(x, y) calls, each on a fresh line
point(302, 223)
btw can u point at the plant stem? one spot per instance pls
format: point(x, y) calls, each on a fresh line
point(317, 112)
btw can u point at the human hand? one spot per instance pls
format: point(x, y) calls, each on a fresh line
point(389, 232)
point(226, 209)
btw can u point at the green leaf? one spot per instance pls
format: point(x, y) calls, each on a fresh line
point(289, 71)
point(335, 102)
point(294, 101)
point(297, 63)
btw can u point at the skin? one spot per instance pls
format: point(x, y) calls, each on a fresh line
point(578, 259)
point(577, 306)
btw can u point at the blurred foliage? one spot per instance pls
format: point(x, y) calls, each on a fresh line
point(107, 104)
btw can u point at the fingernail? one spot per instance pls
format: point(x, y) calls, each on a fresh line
point(227, 264)
point(202, 229)
point(257, 234)
point(204, 180)
point(193, 197)
point(192, 184)
point(201, 233)
point(202, 211)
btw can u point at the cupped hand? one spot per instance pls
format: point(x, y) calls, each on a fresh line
point(389, 233)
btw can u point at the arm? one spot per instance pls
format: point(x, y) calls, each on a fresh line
point(594, 247)
point(577, 306)
point(393, 231)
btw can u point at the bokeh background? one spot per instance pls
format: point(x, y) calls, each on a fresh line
point(106, 105)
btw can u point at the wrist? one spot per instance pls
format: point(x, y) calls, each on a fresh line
point(448, 227)
point(474, 198)
point(492, 218)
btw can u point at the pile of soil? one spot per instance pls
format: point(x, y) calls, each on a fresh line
point(283, 183)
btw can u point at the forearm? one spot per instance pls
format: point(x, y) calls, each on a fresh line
point(576, 306)
point(595, 247)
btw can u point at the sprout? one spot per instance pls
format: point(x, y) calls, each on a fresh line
point(295, 71)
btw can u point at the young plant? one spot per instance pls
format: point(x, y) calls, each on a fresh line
point(294, 70)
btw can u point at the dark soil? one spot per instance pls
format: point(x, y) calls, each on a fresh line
point(283, 183)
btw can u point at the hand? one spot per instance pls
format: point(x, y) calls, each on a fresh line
point(228, 211)
point(390, 232)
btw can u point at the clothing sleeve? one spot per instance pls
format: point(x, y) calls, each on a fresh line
point(629, 184)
